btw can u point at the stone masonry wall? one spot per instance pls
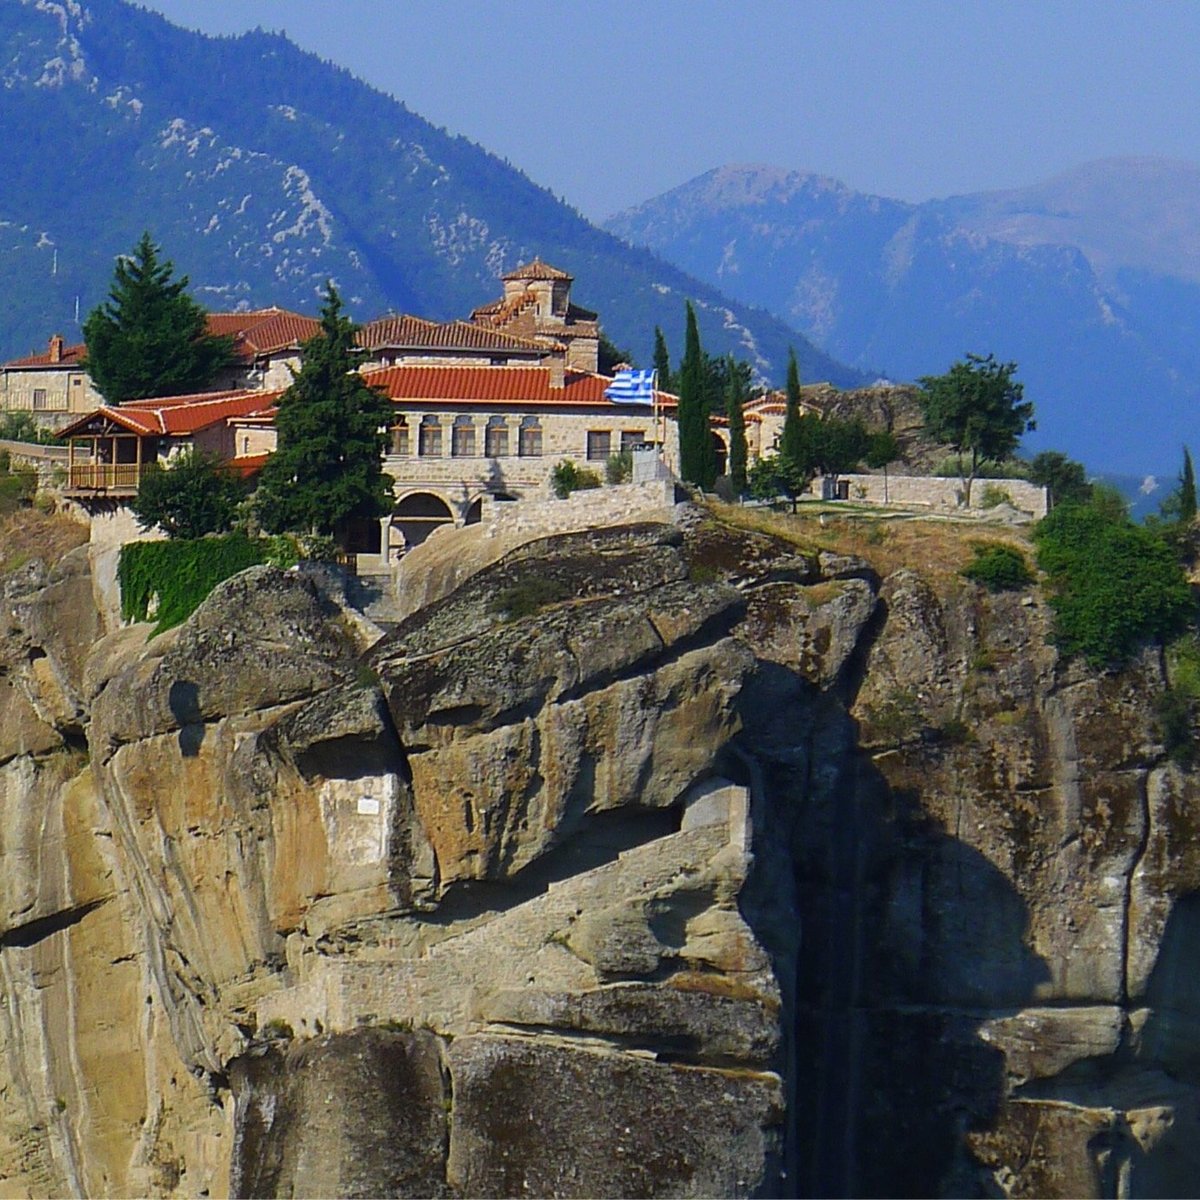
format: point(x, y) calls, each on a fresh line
point(941, 492)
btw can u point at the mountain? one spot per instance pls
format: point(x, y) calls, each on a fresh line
point(263, 171)
point(1090, 282)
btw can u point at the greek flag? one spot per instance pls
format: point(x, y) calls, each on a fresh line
point(631, 387)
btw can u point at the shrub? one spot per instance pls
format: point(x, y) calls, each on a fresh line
point(994, 496)
point(179, 574)
point(619, 468)
point(567, 478)
point(527, 597)
point(1114, 585)
point(192, 496)
point(998, 568)
point(1178, 706)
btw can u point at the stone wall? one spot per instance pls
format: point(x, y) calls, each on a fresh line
point(935, 491)
point(589, 509)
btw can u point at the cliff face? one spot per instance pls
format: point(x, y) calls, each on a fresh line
point(662, 860)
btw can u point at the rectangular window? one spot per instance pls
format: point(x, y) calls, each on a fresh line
point(631, 439)
point(400, 439)
point(462, 441)
point(39, 399)
point(431, 441)
point(496, 441)
point(599, 445)
point(531, 441)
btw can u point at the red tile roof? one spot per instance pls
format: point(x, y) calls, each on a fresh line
point(72, 356)
point(404, 332)
point(498, 312)
point(538, 270)
point(178, 416)
point(496, 385)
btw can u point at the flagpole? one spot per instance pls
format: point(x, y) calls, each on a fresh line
point(654, 393)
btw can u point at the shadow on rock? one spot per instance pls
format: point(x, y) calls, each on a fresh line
point(184, 702)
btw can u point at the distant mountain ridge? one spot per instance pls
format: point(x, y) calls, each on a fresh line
point(1090, 281)
point(263, 171)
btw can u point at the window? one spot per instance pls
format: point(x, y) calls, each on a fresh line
point(400, 437)
point(431, 438)
point(599, 445)
point(632, 439)
point(39, 398)
point(495, 438)
point(462, 438)
point(530, 445)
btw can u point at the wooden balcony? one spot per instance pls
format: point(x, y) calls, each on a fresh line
point(113, 479)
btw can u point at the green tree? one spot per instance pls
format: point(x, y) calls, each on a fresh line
point(697, 461)
point(1066, 479)
point(192, 496)
point(328, 467)
point(662, 360)
point(609, 356)
point(791, 439)
point(1114, 585)
point(978, 410)
point(735, 399)
point(777, 475)
point(1187, 489)
point(150, 337)
point(882, 450)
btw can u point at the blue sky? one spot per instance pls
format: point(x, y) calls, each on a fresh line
point(611, 102)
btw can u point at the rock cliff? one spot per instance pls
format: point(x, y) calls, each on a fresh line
point(670, 859)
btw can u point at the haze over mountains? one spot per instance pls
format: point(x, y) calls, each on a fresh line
point(263, 171)
point(1090, 281)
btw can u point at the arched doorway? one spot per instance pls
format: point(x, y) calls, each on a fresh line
point(418, 515)
point(720, 453)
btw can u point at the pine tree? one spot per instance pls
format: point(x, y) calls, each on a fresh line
point(662, 360)
point(150, 337)
point(734, 400)
point(328, 467)
point(790, 441)
point(697, 460)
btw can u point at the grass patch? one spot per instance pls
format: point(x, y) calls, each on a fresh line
point(528, 597)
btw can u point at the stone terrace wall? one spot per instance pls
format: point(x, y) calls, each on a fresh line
point(935, 491)
point(612, 505)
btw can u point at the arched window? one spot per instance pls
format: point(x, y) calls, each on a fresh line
point(430, 437)
point(462, 438)
point(531, 438)
point(496, 437)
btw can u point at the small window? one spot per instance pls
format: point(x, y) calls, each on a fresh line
point(599, 445)
point(400, 437)
point(462, 438)
point(431, 438)
point(39, 398)
point(530, 445)
point(633, 439)
point(246, 445)
point(496, 438)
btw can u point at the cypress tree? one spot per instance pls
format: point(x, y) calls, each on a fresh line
point(792, 439)
point(1187, 489)
point(734, 399)
point(328, 467)
point(662, 360)
point(150, 338)
point(697, 462)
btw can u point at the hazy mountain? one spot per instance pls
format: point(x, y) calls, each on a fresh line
point(263, 171)
point(1091, 282)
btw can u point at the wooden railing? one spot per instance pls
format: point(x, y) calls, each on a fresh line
point(105, 476)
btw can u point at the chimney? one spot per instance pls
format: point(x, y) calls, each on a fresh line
point(557, 362)
point(56, 348)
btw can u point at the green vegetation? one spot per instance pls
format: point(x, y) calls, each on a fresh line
point(527, 597)
point(18, 485)
point(1114, 586)
point(567, 477)
point(735, 399)
point(619, 467)
point(328, 468)
point(21, 427)
point(609, 356)
point(994, 496)
point(977, 409)
point(662, 361)
point(178, 575)
point(998, 568)
point(792, 440)
point(150, 337)
point(826, 446)
point(697, 462)
point(1065, 478)
point(1178, 707)
point(189, 498)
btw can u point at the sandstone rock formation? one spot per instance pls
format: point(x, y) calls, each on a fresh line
point(660, 860)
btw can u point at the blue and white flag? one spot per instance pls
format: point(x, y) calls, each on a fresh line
point(631, 387)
